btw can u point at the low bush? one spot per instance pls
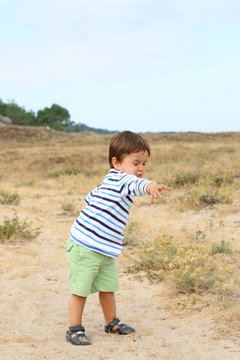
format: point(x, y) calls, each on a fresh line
point(13, 230)
point(184, 178)
point(7, 198)
point(67, 171)
point(74, 171)
point(69, 209)
point(191, 268)
point(221, 179)
point(130, 234)
point(204, 196)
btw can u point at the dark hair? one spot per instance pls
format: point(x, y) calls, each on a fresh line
point(124, 143)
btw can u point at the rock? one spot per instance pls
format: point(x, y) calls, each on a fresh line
point(4, 120)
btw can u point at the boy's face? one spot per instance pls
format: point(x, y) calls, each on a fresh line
point(133, 163)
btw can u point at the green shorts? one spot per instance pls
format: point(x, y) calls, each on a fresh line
point(90, 271)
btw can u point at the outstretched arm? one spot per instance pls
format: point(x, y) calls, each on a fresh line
point(155, 190)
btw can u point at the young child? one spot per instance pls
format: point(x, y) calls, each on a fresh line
point(96, 235)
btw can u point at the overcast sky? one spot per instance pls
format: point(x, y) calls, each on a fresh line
point(141, 65)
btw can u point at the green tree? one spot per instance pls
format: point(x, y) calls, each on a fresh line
point(3, 108)
point(56, 117)
point(17, 114)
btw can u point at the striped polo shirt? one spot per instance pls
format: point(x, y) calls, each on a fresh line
point(101, 224)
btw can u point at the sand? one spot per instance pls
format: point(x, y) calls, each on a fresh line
point(34, 275)
point(34, 295)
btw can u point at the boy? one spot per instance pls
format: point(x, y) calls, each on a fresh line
point(97, 234)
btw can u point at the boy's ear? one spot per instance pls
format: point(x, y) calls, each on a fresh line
point(115, 163)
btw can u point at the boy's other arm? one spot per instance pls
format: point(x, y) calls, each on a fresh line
point(155, 190)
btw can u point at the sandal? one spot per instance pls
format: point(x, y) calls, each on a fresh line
point(75, 335)
point(122, 329)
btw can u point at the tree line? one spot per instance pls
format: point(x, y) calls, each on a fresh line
point(55, 117)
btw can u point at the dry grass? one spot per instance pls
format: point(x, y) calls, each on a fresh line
point(202, 169)
point(7, 198)
point(198, 267)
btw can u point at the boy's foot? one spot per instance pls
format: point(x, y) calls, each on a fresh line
point(120, 329)
point(76, 336)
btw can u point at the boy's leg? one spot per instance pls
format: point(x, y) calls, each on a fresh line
point(76, 306)
point(107, 301)
point(108, 304)
point(76, 333)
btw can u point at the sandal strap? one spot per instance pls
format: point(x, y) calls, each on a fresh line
point(124, 329)
point(110, 325)
point(76, 336)
point(73, 329)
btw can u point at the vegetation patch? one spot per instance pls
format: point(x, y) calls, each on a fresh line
point(69, 209)
point(184, 178)
point(15, 231)
point(221, 179)
point(192, 268)
point(130, 234)
point(28, 183)
point(67, 171)
point(73, 171)
point(204, 196)
point(7, 198)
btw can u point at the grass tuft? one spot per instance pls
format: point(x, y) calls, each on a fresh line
point(69, 209)
point(222, 248)
point(7, 198)
point(204, 196)
point(184, 178)
point(13, 231)
point(67, 171)
point(130, 234)
point(221, 179)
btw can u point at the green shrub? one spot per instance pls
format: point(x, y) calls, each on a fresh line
point(28, 183)
point(67, 171)
point(184, 178)
point(68, 207)
point(207, 196)
point(74, 171)
point(222, 248)
point(221, 179)
point(7, 198)
point(130, 234)
point(13, 230)
point(211, 197)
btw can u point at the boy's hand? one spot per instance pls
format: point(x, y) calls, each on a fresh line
point(155, 190)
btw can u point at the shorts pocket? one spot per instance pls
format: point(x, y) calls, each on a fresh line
point(69, 245)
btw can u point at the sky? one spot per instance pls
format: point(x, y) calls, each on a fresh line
point(139, 65)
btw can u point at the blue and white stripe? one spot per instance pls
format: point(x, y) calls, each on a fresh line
point(100, 226)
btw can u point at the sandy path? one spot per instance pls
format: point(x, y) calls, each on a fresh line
point(34, 294)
